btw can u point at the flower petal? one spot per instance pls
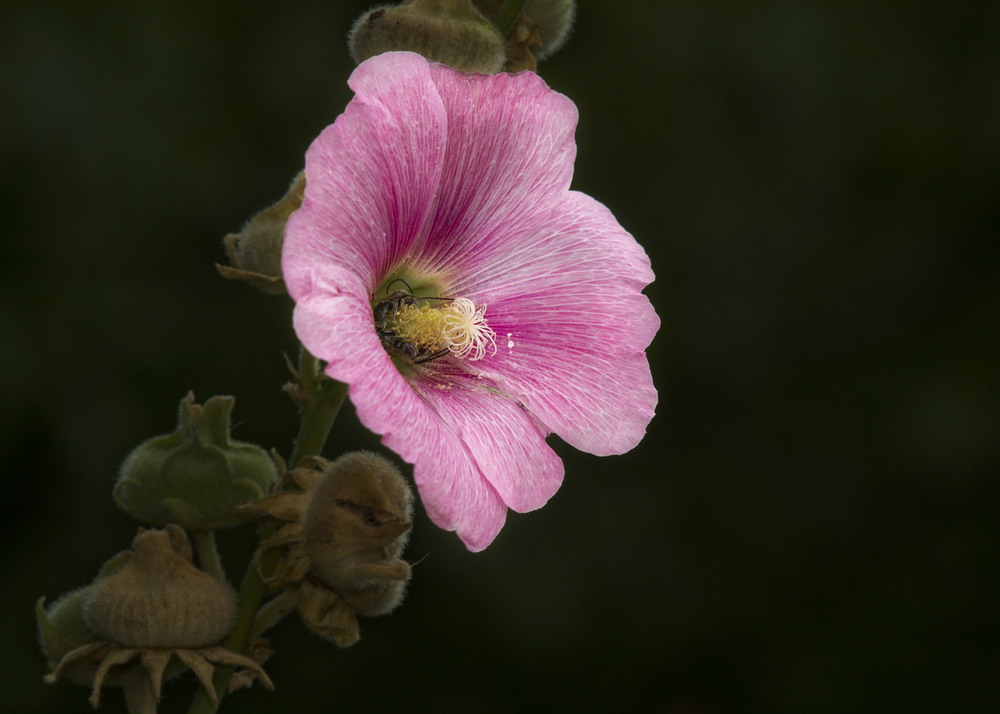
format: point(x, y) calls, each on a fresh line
point(465, 178)
point(508, 446)
point(572, 327)
point(508, 158)
point(371, 176)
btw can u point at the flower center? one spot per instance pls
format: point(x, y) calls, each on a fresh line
point(459, 328)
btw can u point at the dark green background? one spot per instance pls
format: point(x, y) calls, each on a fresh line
point(810, 525)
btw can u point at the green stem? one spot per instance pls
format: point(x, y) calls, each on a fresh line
point(252, 593)
point(316, 423)
point(508, 16)
point(323, 399)
point(274, 611)
point(208, 554)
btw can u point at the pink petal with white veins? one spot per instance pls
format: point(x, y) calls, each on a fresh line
point(508, 160)
point(371, 177)
point(572, 327)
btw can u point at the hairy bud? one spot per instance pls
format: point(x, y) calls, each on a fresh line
point(62, 627)
point(451, 32)
point(541, 29)
point(355, 529)
point(156, 615)
point(347, 522)
point(255, 252)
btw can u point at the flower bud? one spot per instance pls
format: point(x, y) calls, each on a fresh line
point(355, 528)
point(451, 32)
point(159, 600)
point(196, 476)
point(346, 524)
point(541, 29)
point(255, 252)
point(62, 628)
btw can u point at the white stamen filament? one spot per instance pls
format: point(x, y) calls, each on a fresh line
point(466, 332)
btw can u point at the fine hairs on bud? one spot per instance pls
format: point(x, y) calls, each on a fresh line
point(345, 524)
point(451, 32)
point(255, 252)
point(196, 475)
point(555, 21)
point(355, 529)
point(540, 29)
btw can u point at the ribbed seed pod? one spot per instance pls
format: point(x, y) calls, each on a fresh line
point(159, 600)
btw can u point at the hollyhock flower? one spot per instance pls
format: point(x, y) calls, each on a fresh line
point(443, 269)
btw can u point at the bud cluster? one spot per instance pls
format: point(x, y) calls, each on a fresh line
point(346, 523)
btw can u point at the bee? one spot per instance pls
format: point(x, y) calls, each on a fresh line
point(387, 308)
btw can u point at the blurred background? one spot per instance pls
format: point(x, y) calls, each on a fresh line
point(810, 525)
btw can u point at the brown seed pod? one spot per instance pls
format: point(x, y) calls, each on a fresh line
point(159, 599)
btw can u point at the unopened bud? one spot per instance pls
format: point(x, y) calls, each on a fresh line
point(158, 613)
point(255, 252)
point(451, 32)
point(541, 29)
point(347, 522)
point(355, 528)
point(196, 476)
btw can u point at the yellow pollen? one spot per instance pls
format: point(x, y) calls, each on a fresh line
point(460, 327)
point(421, 326)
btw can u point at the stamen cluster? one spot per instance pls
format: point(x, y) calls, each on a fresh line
point(466, 332)
point(459, 327)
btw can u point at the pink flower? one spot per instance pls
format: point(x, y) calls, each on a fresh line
point(455, 187)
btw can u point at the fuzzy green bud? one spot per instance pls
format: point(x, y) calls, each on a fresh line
point(255, 252)
point(553, 18)
point(451, 32)
point(196, 476)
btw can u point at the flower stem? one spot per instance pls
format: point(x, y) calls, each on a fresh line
point(323, 397)
point(320, 398)
point(273, 611)
point(208, 554)
point(508, 16)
